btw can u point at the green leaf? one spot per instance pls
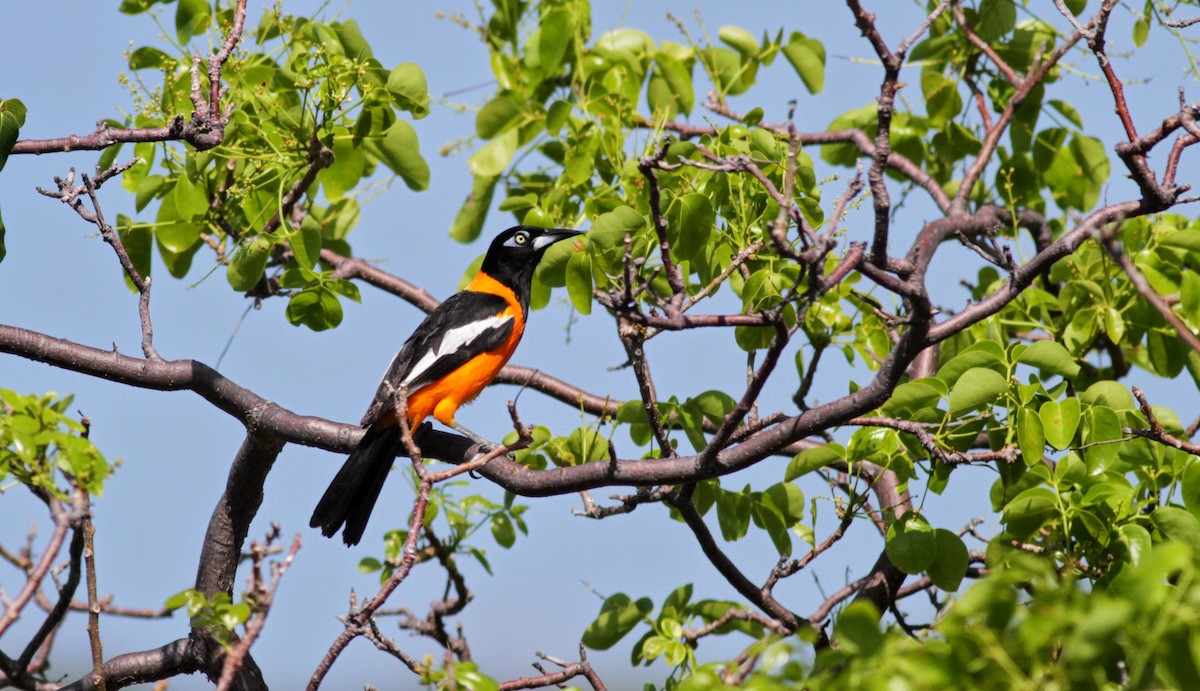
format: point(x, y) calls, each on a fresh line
point(767, 517)
point(148, 57)
point(995, 18)
point(178, 263)
point(1060, 421)
point(232, 615)
point(136, 6)
point(764, 145)
point(1101, 426)
point(556, 116)
point(653, 647)
point(548, 45)
point(191, 18)
point(1141, 30)
point(811, 459)
point(1067, 110)
point(910, 397)
point(1137, 539)
point(943, 102)
point(147, 188)
point(1028, 511)
point(1051, 357)
point(343, 175)
point(606, 239)
point(468, 678)
point(1189, 298)
point(246, 268)
point(692, 227)
point(179, 599)
point(975, 388)
point(305, 242)
point(1030, 437)
point(659, 97)
point(369, 565)
point(726, 70)
point(675, 653)
point(345, 288)
point(494, 157)
point(911, 544)
point(350, 36)
point(580, 160)
point(401, 152)
point(625, 40)
point(712, 405)
point(733, 513)
point(618, 616)
point(875, 444)
point(174, 234)
point(496, 116)
point(468, 223)
point(1093, 639)
point(1178, 525)
point(678, 79)
point(16, 108)
point(1075, 172)
point(677, 600)
point(857, 629)
point(788, 499)
point(406, 83)
point(1109, 393)
point(1188, 240)
point(1114, 324)
point(317, 308)
point(751, 338)
point(579, 282)
point(191, 200)
point(807, 56)
point(987, 354)
point(950, 565)
point(739, 39)
point(9, 129)
point(503, 531)
point(1189, 487)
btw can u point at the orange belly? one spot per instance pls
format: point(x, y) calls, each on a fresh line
point(443, 397)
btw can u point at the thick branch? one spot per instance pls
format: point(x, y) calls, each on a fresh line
point(173, 659)
point(230, 522)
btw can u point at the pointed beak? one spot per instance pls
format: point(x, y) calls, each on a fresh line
point(553, 235)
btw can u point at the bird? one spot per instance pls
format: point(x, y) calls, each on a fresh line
point(456, 351)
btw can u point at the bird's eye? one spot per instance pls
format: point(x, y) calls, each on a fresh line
point(521, 238)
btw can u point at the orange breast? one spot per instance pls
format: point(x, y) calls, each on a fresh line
point(442, 398)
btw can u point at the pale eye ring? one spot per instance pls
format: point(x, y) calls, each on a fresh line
point(521, 238)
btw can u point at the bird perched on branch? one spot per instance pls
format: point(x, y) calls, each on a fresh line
point(452, 356)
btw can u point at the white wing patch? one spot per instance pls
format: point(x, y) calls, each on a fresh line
point(453, 340)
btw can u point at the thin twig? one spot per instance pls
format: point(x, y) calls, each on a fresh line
point(89, 559)
point(261, 596)
point(1147, 291)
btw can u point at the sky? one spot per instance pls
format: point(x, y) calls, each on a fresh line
point(59, 278)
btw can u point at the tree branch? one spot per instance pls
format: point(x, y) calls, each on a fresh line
point(205, 129)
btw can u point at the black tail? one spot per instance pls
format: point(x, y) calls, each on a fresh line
point(354, 489)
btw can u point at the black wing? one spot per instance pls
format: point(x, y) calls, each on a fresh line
point(465, 325)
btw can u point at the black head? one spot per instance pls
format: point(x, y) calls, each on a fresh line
point(515, 253)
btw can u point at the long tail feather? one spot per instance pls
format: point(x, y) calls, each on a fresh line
point(352, 494)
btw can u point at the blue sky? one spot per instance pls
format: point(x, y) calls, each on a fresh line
point(61, 279)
